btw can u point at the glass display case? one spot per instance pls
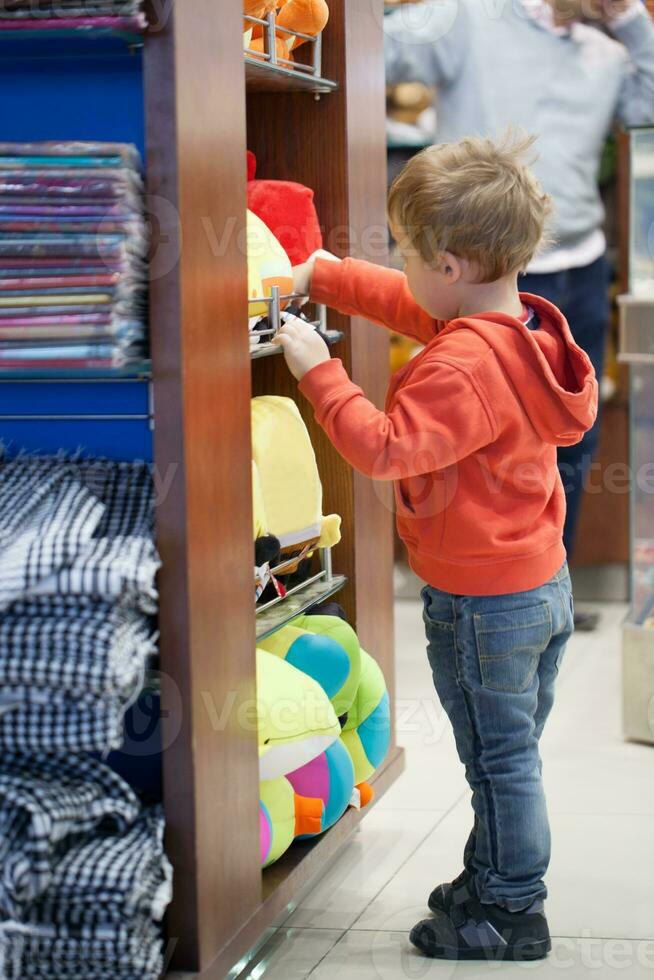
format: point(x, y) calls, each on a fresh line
point(637, 349)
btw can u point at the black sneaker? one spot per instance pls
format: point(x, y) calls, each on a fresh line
point(472, 931)
point(443, 895)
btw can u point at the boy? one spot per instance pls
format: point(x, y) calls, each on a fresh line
point(469, 436)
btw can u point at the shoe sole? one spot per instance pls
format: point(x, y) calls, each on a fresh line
point(522, 952)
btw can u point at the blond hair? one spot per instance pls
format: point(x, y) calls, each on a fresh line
point(477, 199)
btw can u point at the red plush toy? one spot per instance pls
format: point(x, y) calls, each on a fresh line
point(288, 210)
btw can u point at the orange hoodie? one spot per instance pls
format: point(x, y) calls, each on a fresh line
point(469, 432)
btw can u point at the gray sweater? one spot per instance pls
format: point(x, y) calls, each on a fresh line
point(495, 66)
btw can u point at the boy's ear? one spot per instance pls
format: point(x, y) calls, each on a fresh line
point(450, 267)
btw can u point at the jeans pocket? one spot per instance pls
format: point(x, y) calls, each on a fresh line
point(510, 644)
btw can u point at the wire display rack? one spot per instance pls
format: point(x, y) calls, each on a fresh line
point(267, 70)
point(276, 303)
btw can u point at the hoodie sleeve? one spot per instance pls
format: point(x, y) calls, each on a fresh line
point(374, 292)
point(439, 417)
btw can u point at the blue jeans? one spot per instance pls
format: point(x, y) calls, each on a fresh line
point(495, 660)
point(582, 295)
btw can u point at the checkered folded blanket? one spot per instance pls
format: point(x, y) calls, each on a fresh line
point(83, 648)
point(112, 878)
point(89, 530)
point(41, 720)
point(130, 952)
point(45, 803)
point(46, 520)
point(97, 918)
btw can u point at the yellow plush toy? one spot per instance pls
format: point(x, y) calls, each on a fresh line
point(288, 478)
point(268, 265)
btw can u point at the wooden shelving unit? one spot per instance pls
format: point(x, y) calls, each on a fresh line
point(186, 95)
point(197, 85)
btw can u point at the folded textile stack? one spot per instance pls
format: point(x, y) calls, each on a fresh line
point(120, 15)
point(77, 593)
point(73, 248)
point(85, 881)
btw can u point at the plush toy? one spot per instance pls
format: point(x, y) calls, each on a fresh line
point(255, 8)
point(309, 774)
point(259, 8)
point(290, 483)
point(407, 101)
point(257, 48)
point(367, 731)
point(325, 647)
point(305, 16)
point(335, 630)
point(330, 778)
point(295, 718)
point(266, 546)
point(283, 816)
point(287, 209)
point(268, 265)
point(351, 679)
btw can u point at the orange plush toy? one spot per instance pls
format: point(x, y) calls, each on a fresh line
point(259, 8)
point(257, 46)
point(256, 8)
point(305, 16)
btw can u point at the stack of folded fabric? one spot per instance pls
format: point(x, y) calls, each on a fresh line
point(120, 15)
point(85, 881)
point(77, 595)
point(73, 248)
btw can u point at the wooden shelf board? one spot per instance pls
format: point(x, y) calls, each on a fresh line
point(289, 609)
point(262, 77)
point(286, 881)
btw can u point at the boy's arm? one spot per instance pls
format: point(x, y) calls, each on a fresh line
point(426, 42)
point(372, 291)
point(440, 417)
point(636, 31)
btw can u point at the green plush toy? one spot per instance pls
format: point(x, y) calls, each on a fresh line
point(295, 719)
point(326, 648)
point(367, 731)
point(283, 816)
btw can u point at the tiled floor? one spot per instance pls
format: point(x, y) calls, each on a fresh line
point(354, 924)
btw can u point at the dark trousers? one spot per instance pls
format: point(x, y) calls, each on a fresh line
point(582, 295)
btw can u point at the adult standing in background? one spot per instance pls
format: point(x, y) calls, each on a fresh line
point(535, 64)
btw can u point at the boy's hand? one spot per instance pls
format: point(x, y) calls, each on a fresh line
point(303, 347)
point(302, 274)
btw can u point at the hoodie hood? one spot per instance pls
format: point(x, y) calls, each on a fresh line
point(552, 376)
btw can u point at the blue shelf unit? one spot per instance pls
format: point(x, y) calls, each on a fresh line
point(75, 85)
